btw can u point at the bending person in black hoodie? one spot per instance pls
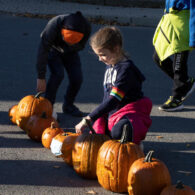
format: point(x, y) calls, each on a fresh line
point(61, 40)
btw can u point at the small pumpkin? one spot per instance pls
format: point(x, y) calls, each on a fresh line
point(85, 151)
point(56, 143)
point(114, 160)
point(148, 176)
point(32, 105)
point(178, 189)
point(49, 133)
point(37, 124)
point(12, 113)
point(67, 147)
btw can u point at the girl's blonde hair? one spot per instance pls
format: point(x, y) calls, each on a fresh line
point(107, 38)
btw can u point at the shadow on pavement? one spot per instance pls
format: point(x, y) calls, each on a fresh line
point(178, 157)
point(172, 124)
point(18, 143)
point(41, 173)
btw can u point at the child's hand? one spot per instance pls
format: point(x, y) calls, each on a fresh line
point(82, 125)
point(79, 127)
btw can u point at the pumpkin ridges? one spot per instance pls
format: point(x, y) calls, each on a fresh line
point(49, 133)
point(112, 145)
point(32, 105)
point(105, 178)
point(99, 143)
point(116, 174)
point(67, 148)
point(84, 154)
point(12, 112)
point(90, 154)
point(115, 156)
point(152, 176)
point(79, 146)
point(118, 171)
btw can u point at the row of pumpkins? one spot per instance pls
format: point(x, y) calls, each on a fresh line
point(120, 166)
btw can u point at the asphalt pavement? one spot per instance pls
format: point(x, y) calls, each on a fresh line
point(28, 168)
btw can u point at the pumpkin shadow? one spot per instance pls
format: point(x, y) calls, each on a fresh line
point(171, 139)
point(12, 132)
point(41, 173)
point(178, 157)
point(172, 124)
point(4, 118)
point(18, 143)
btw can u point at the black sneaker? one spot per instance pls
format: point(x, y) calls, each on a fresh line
point(172, 104)
point(73, 110)
point(191, 88)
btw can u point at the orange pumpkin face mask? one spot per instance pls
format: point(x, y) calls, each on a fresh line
point(71, 37)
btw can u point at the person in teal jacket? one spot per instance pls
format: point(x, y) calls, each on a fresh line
point(173, 40)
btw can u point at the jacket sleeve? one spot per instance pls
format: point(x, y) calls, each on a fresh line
point(42, 60)
point(48, 37)
point(192, 24)
point(104, 108)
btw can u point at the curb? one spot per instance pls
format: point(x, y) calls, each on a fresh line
point(123, 3)
point(100, 14)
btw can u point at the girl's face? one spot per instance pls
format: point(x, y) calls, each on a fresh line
point(106, 56)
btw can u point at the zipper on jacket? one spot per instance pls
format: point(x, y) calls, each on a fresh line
point(164, 35)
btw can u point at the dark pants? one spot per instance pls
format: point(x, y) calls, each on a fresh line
point(177, 70)
point(117, 129)
point(57, 63)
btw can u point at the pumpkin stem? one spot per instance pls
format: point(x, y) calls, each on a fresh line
point(179, 185)
point(39, 94)
point(53, 125)
point(89, 125)
point(125, 134)
point(148, 157)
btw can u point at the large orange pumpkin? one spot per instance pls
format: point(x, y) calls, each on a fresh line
point(178, 189)
point(56, 143)
point(85, 151)
point(114, 160)
point(148, 176)
point(32, 105)
point(84, 154)
point(37, 124)
point(49, 133)
point(67, 147)
point(12, 113)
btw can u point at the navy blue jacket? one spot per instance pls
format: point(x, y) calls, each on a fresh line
point(122, 85)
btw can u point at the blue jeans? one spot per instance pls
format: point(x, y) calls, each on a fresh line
point(57, 63)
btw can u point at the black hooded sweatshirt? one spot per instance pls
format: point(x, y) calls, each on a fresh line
point(51, 38)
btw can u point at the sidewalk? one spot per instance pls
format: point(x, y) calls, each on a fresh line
point(97, 13)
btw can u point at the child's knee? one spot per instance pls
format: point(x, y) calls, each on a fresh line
point(117, 129)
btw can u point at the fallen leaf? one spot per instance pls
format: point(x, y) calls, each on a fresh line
point(91, 192)
point(56, 167)
point(188, 145)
